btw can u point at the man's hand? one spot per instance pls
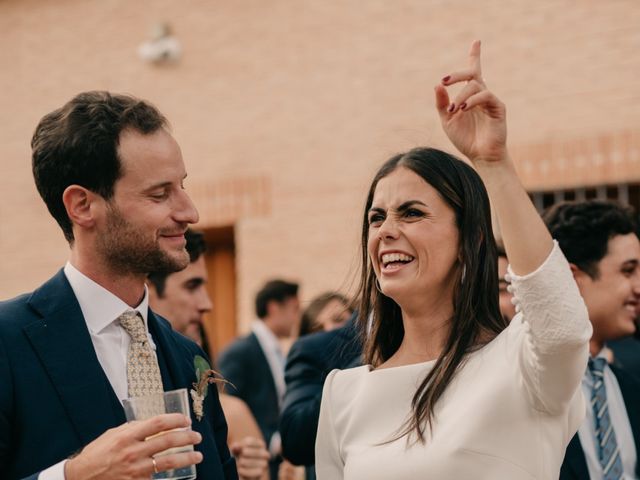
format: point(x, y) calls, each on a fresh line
point(124, 453)
point(252, 458)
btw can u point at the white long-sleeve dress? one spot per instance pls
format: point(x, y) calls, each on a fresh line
point(508, 414)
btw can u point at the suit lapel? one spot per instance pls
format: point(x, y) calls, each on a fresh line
point(63, 344)
point(178, 371)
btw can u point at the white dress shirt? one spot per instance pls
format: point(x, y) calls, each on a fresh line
point(619, 420)
point(100, 309)
point(275, 358)
point(271, 348)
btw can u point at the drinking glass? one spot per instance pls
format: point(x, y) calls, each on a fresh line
point(174, 401)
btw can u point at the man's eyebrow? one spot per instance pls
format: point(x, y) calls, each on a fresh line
point(631, 262)
point(164, 184)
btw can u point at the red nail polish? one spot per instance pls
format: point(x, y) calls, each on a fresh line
point(446, 79)
point(451, 108)
point(463, 106)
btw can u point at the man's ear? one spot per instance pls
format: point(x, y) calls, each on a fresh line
point(80, 204)
point(272, 308)
point(579, 275)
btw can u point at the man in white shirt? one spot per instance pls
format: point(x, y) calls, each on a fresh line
point(599, 240)
point(112, 176)
point(254, 364)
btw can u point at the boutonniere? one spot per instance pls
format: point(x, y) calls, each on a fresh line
point(205, 375)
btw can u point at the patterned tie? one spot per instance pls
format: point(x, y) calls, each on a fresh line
point(608, 451)
point(143, 373)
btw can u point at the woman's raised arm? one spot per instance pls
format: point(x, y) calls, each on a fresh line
point(475, 122)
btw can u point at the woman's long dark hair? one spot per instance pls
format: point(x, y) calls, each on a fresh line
point(476, 316)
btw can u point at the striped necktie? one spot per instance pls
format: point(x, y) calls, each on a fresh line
point(608, 451)
point(143, 372)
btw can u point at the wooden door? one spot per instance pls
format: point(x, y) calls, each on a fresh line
point(221, 324)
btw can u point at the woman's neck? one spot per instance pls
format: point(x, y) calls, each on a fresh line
point(425, 334)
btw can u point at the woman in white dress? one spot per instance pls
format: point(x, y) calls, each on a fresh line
point(449, 391)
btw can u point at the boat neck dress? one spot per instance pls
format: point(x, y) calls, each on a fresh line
point(508, 414)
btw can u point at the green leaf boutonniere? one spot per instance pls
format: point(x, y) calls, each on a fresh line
point(205, 376)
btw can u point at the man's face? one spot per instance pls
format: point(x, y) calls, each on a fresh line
point(507, 309)
point(142, 226)
point(185, 299)
point(284, 316)
point(613, 297)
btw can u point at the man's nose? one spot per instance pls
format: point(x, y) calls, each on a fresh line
point(204, 301)
point(186, 211)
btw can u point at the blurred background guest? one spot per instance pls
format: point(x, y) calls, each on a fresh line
point(310, 360)
point(327, 311)
point(254, 364)
point(507, 308)
point(182, 297)
point(598, 238)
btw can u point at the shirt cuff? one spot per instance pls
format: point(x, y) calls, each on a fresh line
point(53, 473)
point(275, 444)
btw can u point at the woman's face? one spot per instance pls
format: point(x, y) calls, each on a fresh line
point(413, 239)
point(333, 315)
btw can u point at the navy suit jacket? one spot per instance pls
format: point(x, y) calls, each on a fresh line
point(245, 365)
point(310, 360)
point(626, 351)
point(55, 398)
point(574, 466)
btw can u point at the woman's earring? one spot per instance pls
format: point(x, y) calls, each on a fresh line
point(377, 284)
point(464, 274)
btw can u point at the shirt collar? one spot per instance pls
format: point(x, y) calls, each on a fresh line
point(587, 379)
point(265, 335)
point(99, 306)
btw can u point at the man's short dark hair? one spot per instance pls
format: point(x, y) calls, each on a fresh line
point(583, 229)
point(77, 144)
point(274, 291)
point(196, 246)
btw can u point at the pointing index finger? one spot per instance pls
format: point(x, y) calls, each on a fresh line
point(474, 60)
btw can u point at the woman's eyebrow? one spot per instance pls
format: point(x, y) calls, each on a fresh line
point(410, 203)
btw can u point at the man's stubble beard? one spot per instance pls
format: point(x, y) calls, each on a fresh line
point(127, 251)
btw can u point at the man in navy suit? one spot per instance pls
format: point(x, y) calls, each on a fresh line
point(254, 364)
point(112, 176)
point(310, 360)
point(599, 240)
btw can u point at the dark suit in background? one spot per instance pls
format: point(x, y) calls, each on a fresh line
point(574, 466)
point(55, 398)
point(310, 360)
point(626, 352)
point(245, 365)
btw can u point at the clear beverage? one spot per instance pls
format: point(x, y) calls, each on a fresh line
point(175, 401)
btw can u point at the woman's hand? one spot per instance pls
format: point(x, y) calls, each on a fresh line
point(475, 120)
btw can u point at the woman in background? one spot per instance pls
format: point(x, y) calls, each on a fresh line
point(326, 312)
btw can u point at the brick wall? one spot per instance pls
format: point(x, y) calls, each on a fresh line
point(307, 97)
